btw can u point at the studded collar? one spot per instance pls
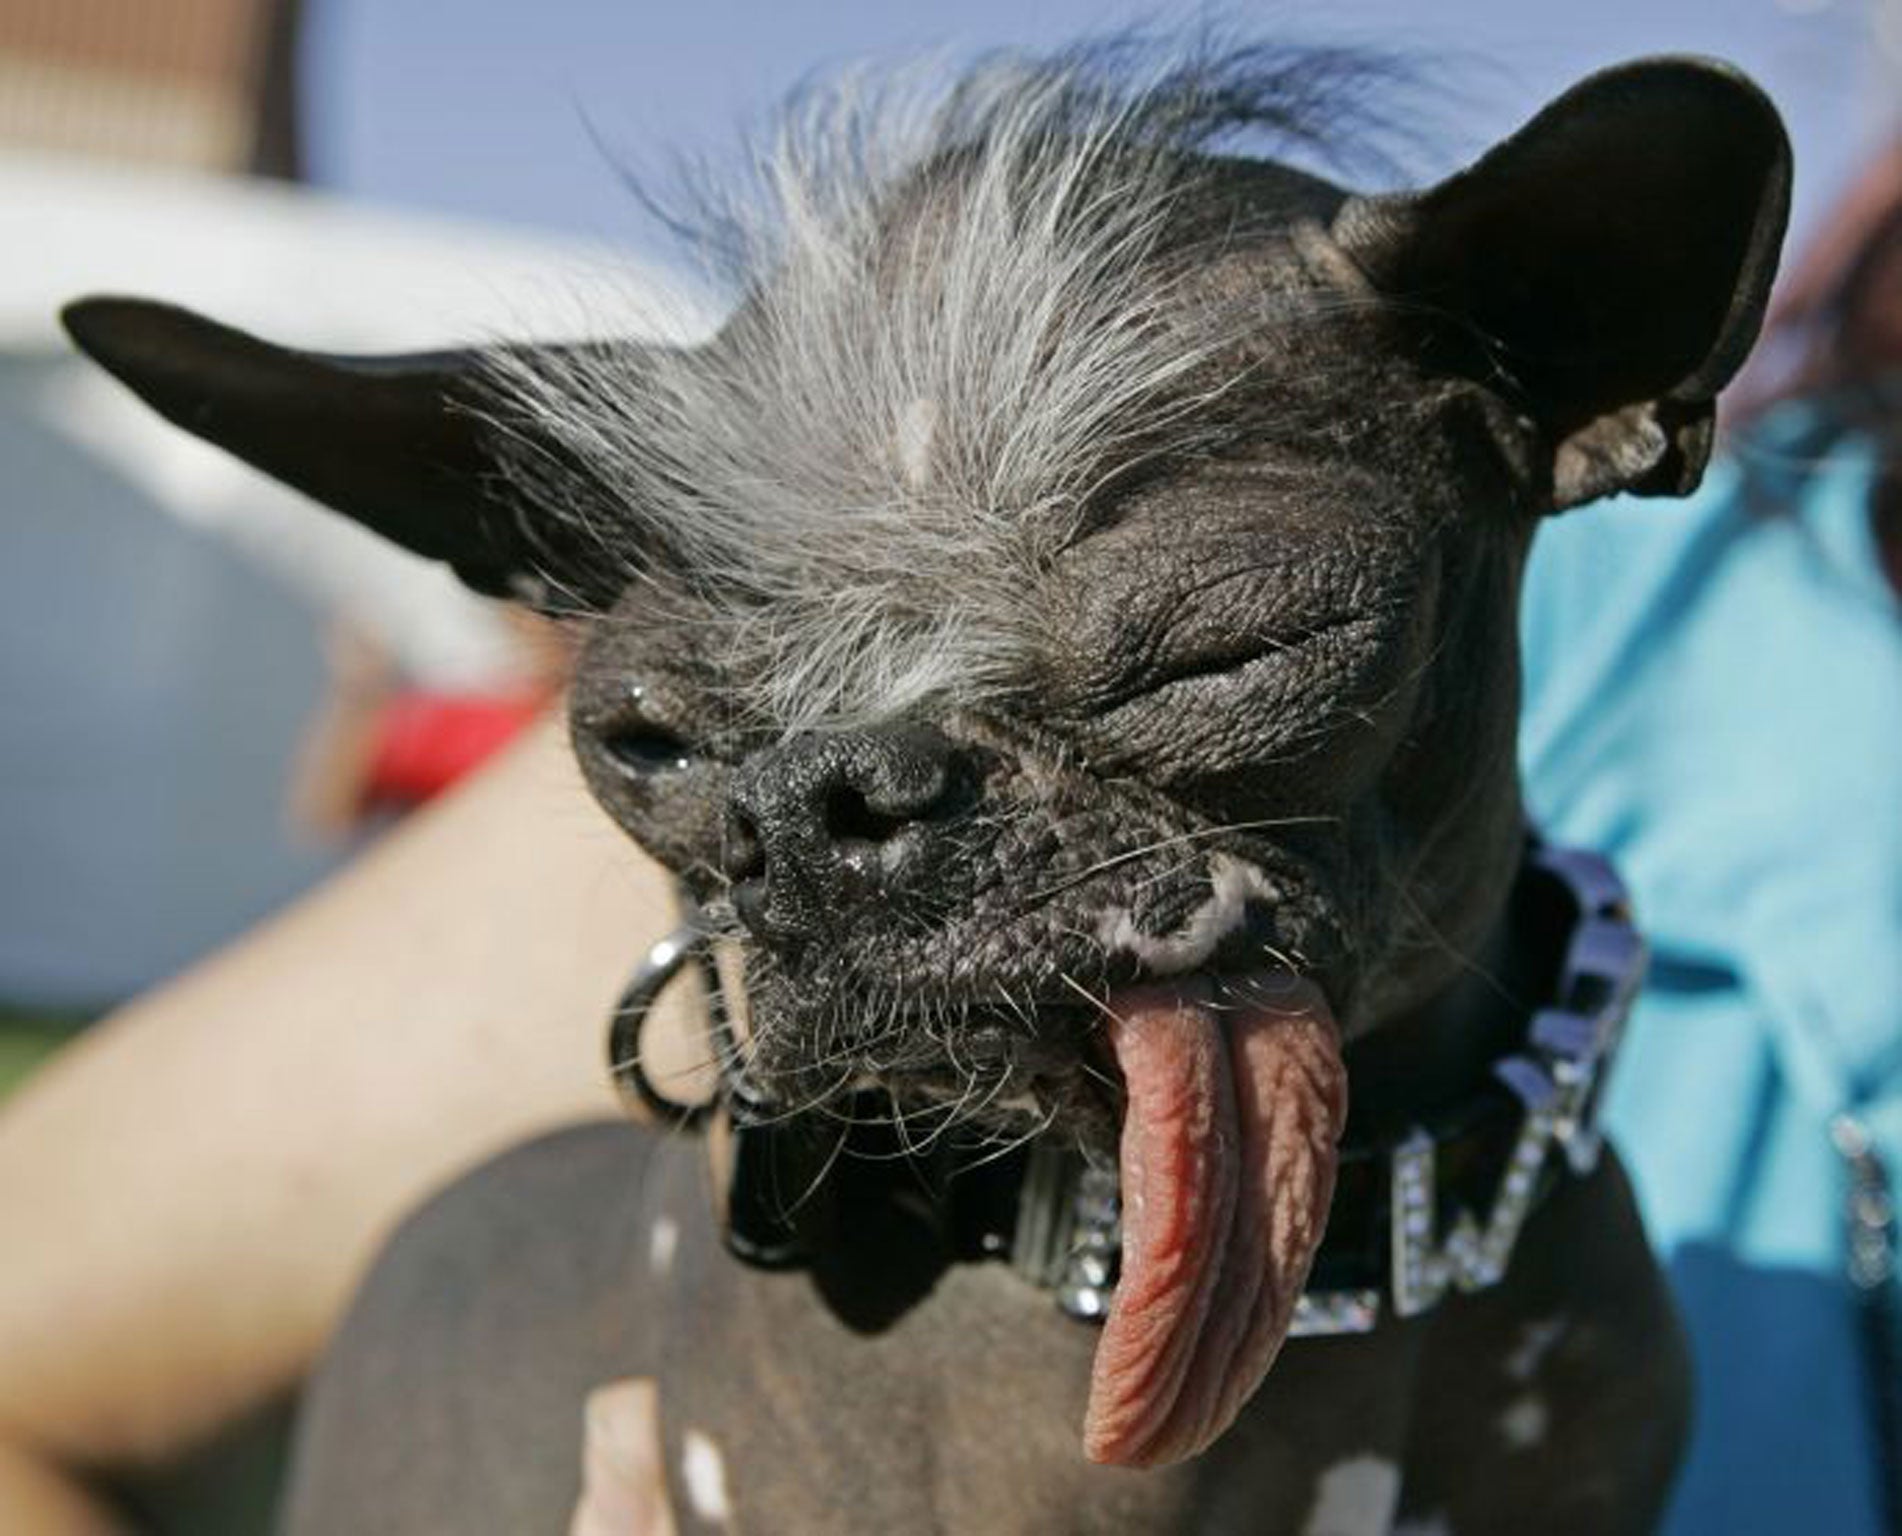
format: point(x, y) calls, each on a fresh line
point(1439, 1208)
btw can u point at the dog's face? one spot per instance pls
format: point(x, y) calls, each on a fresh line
point(1083, 564)
point(1027, 614)
point(1237, 712)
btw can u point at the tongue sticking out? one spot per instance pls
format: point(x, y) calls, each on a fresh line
point(1227, 1171)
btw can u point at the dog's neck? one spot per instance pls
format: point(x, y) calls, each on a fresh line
point(1435, 1052)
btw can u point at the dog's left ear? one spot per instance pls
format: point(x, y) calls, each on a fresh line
point(1612, 258)
point(410, 446)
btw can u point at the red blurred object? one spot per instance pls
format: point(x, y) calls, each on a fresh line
point(424, 742)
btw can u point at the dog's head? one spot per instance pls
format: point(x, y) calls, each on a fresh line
point(1083, 562)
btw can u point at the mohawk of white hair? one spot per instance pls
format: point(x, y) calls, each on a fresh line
point(955, 327)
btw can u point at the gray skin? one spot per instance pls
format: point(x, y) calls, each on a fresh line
point(1298, 650)
point(452, 1397)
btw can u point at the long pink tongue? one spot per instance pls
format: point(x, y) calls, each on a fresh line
point(1228, 1156)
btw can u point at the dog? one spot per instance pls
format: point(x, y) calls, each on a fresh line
point(1061, 629)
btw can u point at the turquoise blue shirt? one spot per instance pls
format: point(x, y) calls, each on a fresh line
point(1714, 699)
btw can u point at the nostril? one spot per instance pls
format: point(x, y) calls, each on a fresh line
point(850, 817)
point(822, 825)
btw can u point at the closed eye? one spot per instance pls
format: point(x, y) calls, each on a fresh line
point(1246, 652)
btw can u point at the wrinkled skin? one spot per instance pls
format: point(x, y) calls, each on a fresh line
point(1266, 726)
point(1326, 649)
point(1318, 656)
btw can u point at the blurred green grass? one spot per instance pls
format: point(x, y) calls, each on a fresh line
point(27, 1039)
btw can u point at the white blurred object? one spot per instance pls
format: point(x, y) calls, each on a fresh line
point(307, 269)
point(161, 605)
point(337, 274)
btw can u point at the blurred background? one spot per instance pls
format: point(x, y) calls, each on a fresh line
point(208, 692)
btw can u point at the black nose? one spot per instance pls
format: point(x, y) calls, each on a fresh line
point(823, 825)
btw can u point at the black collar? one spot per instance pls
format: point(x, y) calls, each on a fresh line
point(1437, 1208)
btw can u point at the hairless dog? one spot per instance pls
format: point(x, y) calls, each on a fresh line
point(1061, 632)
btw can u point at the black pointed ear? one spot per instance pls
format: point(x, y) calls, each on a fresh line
point(409, 446)
point(1612, 258)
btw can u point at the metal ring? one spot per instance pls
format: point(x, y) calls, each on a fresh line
point(659, 966)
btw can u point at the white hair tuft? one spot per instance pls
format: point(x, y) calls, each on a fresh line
point(964, 311)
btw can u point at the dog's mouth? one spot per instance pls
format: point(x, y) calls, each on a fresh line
point(1224, 1096)
point(1236, 1095)
point(1221, 1090)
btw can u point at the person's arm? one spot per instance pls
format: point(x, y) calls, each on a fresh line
point(189, 1193)
point(39, 1497)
